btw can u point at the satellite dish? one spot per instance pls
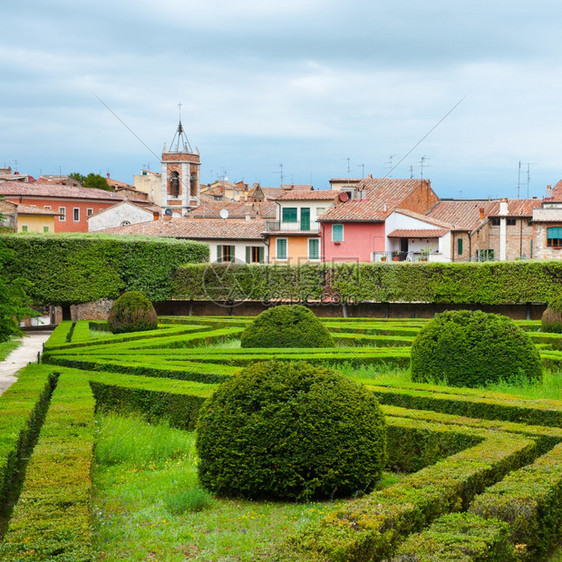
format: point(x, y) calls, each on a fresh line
point(343, 196)
point(168, 212)
point(224, 213)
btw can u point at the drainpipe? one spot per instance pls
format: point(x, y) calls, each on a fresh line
point(503, 229)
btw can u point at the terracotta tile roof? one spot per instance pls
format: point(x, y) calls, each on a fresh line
point(301, 195)
point(271, 192)
point(47, 189)
point(424, 218)
point(516, 207)
point(196, 229)
point(383, 196)
point(236, 210)
point(461, 214)
point(34, 210)
point(418, 233)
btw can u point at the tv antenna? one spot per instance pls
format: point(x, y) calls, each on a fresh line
point(422, 165)
point(281, 173)
point(528, 164)
point(362, 166)
point(389, 165)
point(348, 167)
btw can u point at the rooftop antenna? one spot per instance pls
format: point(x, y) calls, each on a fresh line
point(389, 165)
point(348, 167)
point(519, 179)
point(281, 173)
point(362, 166)
point(411, 171)
point(529, 164)
point(422, 165)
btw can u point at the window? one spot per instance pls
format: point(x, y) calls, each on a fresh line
point(24, 228)
point(255, 254)
point(76, 214)
point(289, 214)
point(510, 222)
point(495, 221)
point(225, 253)
point(281, 249)
point(459, 246)
point(313, 249)
point(485, 255)
point(48, 207)
point(62, 211)
point(337, 233)
point(554, 236)
point(45, 229)
point(89, 212)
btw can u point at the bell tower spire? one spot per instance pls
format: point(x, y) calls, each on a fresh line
point(180, 174)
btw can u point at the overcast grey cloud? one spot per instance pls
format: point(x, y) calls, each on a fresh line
point(324, 87)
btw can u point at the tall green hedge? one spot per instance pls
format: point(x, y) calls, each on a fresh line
point(75, 268)
point(462, 283)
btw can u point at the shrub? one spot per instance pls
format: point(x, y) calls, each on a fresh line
point(552, 317)
point(472, 348)
point(290, 431)
point(286, 326)
point(132, 312)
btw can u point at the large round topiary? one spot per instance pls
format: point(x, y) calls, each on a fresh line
point(290, 431)
point(132, 312)
point(472, 348)
point(552, 317)
point(286, 326)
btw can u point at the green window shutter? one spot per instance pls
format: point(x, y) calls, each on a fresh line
point(281, 249)
point(337, 233)
point(219, 253)
point(554, 232)
point(289, 214)
point(261, 254)
point(248, 254)
point(313, 248)
point(459, 246)
point(232, 253)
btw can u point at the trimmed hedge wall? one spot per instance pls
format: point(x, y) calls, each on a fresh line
point(52, 517)
point(461, 537)
point(530, 500)
point(370, 528)
point(76, 268)
point(462, 283)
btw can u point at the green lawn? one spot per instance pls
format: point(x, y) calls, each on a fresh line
point(148, 504)
point(7, 347)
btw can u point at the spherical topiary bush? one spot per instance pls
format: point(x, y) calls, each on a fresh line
point(552, 316)
point(472, 348)
point(290, 431)
point(132, 312)
point(286, 326)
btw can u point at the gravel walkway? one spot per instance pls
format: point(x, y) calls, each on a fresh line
point(32, 343)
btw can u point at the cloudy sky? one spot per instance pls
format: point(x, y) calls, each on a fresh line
point(315, 88)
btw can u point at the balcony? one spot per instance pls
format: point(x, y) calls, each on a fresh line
point(299, 226)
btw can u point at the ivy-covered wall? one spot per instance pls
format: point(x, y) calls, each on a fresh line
point(460, 283)
point(77, 268)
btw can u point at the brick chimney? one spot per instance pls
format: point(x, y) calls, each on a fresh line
point(481, 213)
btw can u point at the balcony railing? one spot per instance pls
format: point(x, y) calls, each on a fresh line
point(299, 226)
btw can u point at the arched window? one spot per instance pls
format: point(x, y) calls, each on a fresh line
point(174, 184)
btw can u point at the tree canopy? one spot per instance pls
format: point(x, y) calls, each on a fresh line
point(91, 180)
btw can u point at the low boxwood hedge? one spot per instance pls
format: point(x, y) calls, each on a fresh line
point(51, 520)
point(530, 500)
point(461, 537)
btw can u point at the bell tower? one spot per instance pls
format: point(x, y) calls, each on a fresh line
point(180, 175)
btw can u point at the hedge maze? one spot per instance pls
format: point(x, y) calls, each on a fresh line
point(483, 471)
